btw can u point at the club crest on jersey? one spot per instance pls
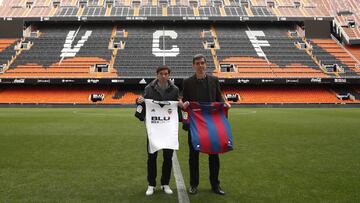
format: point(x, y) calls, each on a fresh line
point(185, 115)
point(152, 110)
point(169, 111)
point(139, 108)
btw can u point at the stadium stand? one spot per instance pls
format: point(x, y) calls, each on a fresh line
point(346, 93)
point(354, 50)
point(141, 57)
point(63, 95)
point(253, 7)
point(129, 97)
point(67, 12)
point(170, 8)
point(122, 42)
point(265, 51)
point(48, 56)
point(346, 18)
point(248, 95)
point(341, 10)
point(328, 52)
point(289, 94)
point(121, 11)
point(7, 52)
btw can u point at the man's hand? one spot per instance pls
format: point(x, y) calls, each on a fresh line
point(228, 105)
point(140, 100)
point(183, 105)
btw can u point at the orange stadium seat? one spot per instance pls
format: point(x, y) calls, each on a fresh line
point(355, 50)
point(5, 43)
point(61, 95)
point(339, 54)
point(248, 95)
point(268, 95)
point(43, 95)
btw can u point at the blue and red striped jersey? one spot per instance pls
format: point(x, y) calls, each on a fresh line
point(209, 127)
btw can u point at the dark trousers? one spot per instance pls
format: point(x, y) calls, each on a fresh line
point(166, 167)
point(214, 166)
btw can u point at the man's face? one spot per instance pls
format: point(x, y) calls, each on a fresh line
point(199, 65)
point(163, 76)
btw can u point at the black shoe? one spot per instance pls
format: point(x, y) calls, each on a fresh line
point(218, 190)
point(192, 190)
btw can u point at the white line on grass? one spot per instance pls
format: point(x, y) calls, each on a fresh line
point(243, 112)
point(182, 194)
point(100, 114)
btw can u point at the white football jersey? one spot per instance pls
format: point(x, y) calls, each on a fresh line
point(162, 123)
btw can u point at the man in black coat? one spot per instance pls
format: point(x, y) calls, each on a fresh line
point(202, 88)
point(160, 89)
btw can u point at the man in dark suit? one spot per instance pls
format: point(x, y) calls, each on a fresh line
point(202, 87)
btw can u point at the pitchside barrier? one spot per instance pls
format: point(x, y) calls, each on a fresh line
point(178, 81)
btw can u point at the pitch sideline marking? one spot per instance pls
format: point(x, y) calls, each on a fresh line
point(244, 113)
point(180, 185)
point(100, 114)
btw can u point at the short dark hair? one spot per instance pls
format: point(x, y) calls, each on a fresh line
point(163, 67)
point(198, 56)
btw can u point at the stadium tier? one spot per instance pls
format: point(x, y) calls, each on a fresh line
point(354, 50)
point(61, 95)
point(63, 51)
point(276, 95)
point(264, 51)
point(7, 50)
point(246, 50)
point(344, 13)
point(322, 47)
point(111, 95)
point(139, 57)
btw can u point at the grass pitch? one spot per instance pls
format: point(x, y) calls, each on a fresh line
point(99, 155)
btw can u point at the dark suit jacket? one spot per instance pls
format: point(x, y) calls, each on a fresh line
point(152, 92)
point(189, 90)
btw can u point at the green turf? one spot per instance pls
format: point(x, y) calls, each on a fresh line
point(99, 155)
